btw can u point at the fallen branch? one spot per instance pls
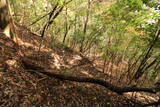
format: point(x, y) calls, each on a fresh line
point(118, 90)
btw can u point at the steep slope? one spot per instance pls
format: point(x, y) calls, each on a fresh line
point(21, 83)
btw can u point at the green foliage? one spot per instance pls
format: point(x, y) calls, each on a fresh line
point(122, 28)
point(133, 4)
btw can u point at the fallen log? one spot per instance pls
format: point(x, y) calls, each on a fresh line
point(111, 87)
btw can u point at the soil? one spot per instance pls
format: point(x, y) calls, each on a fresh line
point(21, 86)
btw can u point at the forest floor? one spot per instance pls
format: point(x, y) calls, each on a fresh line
point(21, 85)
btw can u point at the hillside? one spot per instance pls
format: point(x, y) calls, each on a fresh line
point(24, 84)
point(85, 53)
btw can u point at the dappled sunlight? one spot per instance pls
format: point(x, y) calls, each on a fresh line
point(142, 97)
point(57, 61)
point(77, 57)
point(74, 60)
point(11, 62)
point(7, 31)
point(86, 73)
point(78, 53)
point(27, 44)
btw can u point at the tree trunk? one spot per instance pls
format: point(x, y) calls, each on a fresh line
point(5, 19)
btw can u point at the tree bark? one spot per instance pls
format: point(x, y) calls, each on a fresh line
point(118, 90)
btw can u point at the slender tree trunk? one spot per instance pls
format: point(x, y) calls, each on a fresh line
point(143, 65)
point(67, 27)
point(85, 26)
